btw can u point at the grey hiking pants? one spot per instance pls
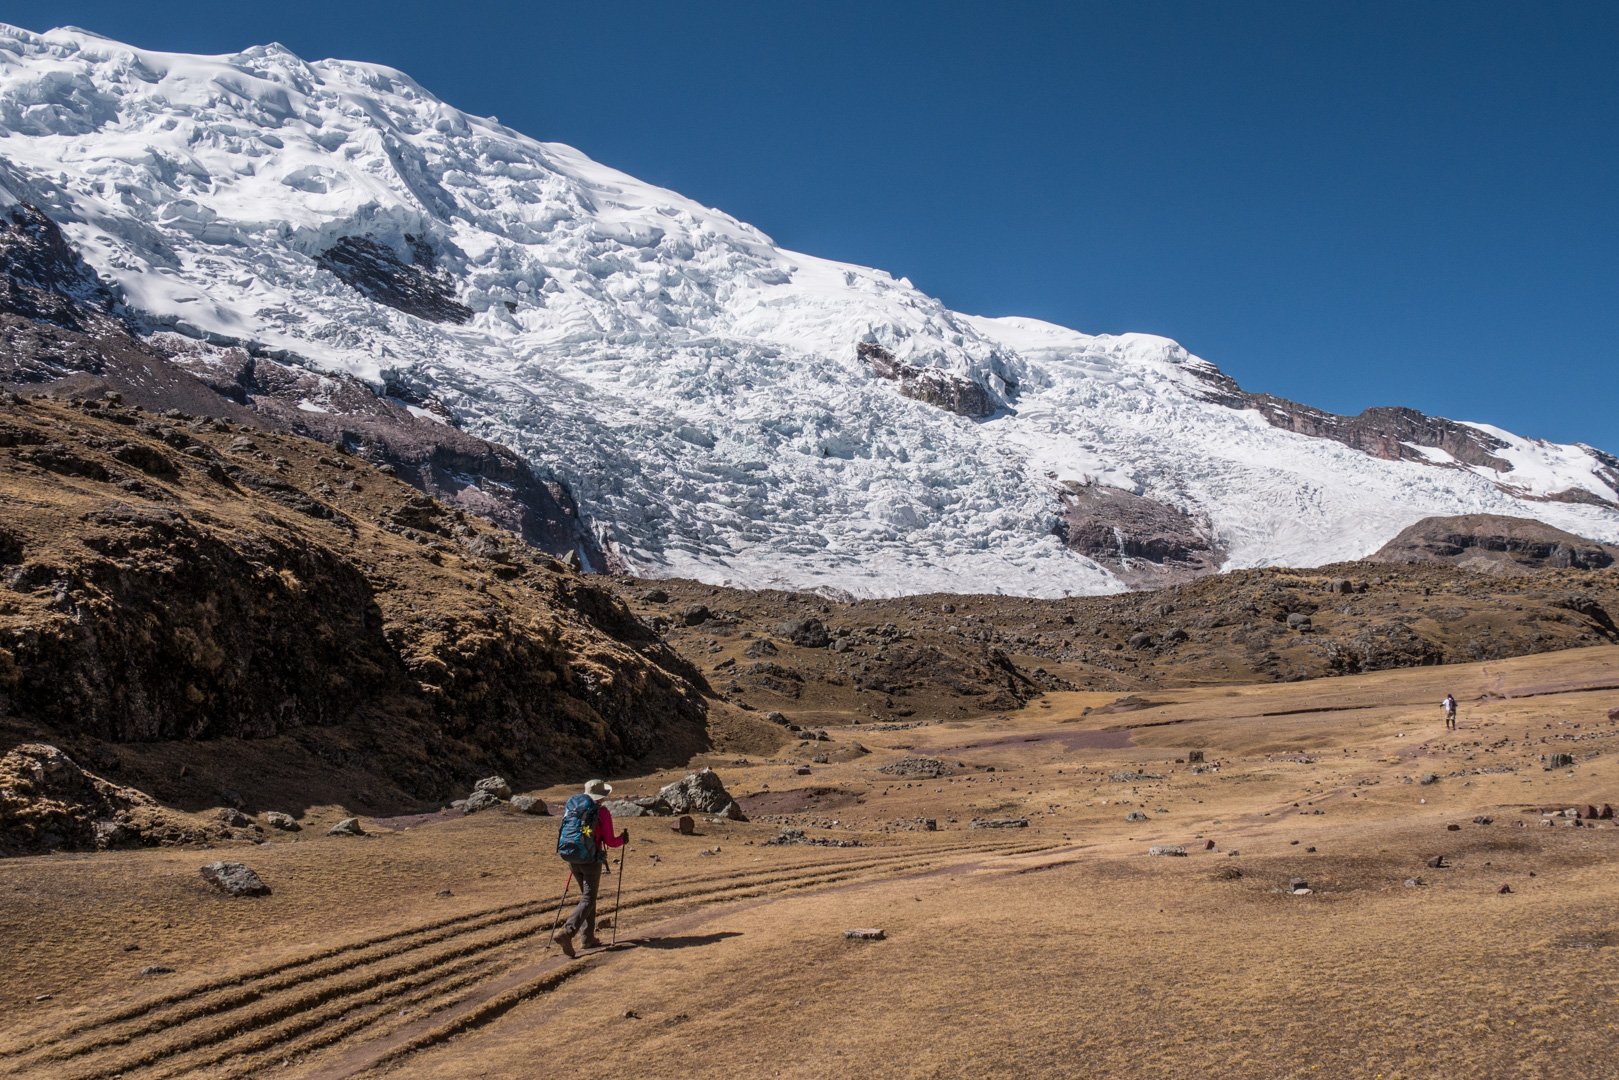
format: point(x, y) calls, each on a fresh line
point(589, 876)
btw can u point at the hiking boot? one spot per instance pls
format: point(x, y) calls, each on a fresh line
point(565, 939)
point(591, 941)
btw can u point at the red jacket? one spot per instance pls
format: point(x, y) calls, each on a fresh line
point(604, 828)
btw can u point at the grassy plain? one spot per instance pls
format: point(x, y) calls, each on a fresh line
point(1057, 950)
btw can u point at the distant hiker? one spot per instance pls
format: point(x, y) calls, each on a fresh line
point(583, 840)
point(1450, 712)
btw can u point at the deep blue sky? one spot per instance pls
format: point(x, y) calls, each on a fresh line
point(1349, 205)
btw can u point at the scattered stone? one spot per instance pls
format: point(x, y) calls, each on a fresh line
point(917, 768)
point(235, 818)
point(806, 633)
point(1295, 884)
point(1483, 820)
point(762, 647)
point(284, 822)
point(1135, 815)
point(1301, 892)
point(1430, 778)
point(235, 879)
point(698, 792)
point(695, 614)
point(1298, 621)
point(1125, 776)
point(732, 812)
point(1437, 863)
point(1233, 853)
point(1453, 827)
point(349, 826)
point(444, 892)
point(1140, 641)
point(1504, 889)
point(864, 934)
point(798, 836)
point(776, 718)
point(1194, 757)
point(802, 770)
point(478, 800)
point(1589, 812)
point(1413, 882)
point(999, 823)
point(1605, 812)
point(528, 804)
point(1166, 849)
point(1208, 845)
point(655, 596)
point(495, 786)
point(1310, 850)
point(820, 759)
point(685, 825)
point(1560, 761)
point(157, 969)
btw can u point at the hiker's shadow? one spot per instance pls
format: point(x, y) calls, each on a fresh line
point(689, 941)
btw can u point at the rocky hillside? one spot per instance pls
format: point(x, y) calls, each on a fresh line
point(1493, 544)
point(189, 604)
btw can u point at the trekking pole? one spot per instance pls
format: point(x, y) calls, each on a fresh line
point(558, 917)
point(620, 895)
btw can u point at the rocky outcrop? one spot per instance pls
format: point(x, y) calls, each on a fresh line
point(700, 793)
point(376, 271)
point(937, 388)
point(1493, 544)
point(1143, 541)
point(49, 803)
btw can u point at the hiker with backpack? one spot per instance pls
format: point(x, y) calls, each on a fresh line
point(583, 840)
point(1450, 712)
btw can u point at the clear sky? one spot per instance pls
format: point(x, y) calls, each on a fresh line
point(1345, 204)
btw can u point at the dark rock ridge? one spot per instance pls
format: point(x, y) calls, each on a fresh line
point(375, 271)
point(1142, 541)
point(1385, 431)
point(1493, 544)
point(63, 331)
point(938, 388)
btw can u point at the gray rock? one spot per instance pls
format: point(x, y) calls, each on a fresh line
point(655, 596)
point(1560, 761)
point(1176, 634)
point(732, 812)
point(776, 718)
point(1430, 778)
point(698, 792)
point(1140, 641)
point(528, 804)
point(1166, 849)
point(478, 800)
point(1297, 883)
point(1135, 815)
point(1127, 776)
point(284, 822)
point(623, 808)
point(695, 614)
point(495, 786)
point(349, 826)
point(762, 647)
point(235, 879)
point(1298, 621)
point(157, 969)
point(235, 818)
point(807, 633)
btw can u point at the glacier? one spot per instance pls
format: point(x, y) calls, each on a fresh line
point(709, 398)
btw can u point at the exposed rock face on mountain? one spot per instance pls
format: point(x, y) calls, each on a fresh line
point(172, 579)
point(719, 407)
point(1492, 544)
point(1142, 541)
point(62, 329)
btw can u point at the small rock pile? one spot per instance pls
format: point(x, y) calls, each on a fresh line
point(998, 823)
point(1126, 776)
point(798, 836)
point(917, 768)
point(494, 791)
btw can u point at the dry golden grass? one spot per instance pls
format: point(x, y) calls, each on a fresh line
point(1060, 950)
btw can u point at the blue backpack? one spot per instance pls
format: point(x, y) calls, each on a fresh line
point(576, 840)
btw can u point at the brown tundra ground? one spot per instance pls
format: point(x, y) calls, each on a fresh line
point(1062, 949)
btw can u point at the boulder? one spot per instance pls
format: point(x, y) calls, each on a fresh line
point(1140, 641)
point(685, 825)
point(1208, 845)
point(349, 826)
point(495, 786)
point(1298, 621)
point(1135, 815)
point(623, 808)
point(1605, 812)
point(807, 633)
point(762, 647)
point(1437, 863)
point(284, 822)
point(732, 812)
point(655, 596)
point(776, 718)
point(1560, 761)
point(698, 792)
point(235, 879)
point(1175, 634)
point(1590, 812)
point(1166, 849)
point(235, 818)
point(528, 804)
point(478, 800)
point(1194, 757)
point(695, 614)
point(1430, 778)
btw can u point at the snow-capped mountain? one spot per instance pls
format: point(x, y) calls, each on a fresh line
point(719, 407)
